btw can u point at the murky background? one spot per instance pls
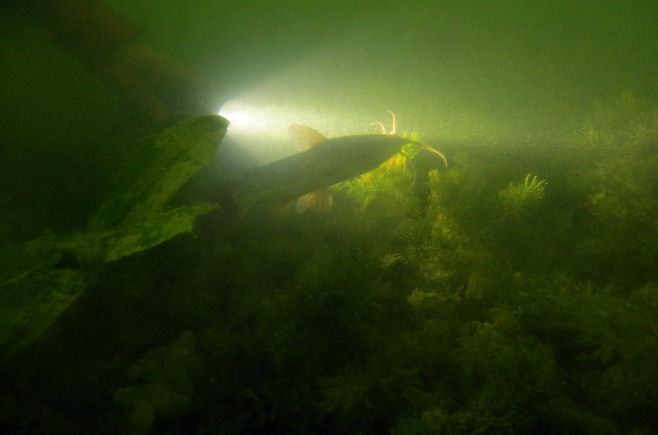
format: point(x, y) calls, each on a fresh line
point(512, 292)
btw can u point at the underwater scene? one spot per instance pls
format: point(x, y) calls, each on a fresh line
point(340, 217)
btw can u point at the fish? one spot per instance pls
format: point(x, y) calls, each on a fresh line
point(324, 162)
point(319, 200)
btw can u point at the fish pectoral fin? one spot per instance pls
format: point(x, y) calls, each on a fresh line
point(319, 201)
point(304, 136)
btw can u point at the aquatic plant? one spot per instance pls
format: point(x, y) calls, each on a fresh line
point(163, 387)
point(476, 299)
point(391, 183)
point(619, 190)
point(44, 276)
point(517, 198)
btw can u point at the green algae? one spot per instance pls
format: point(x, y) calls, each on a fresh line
point(472, 299)
point(41, 279)
point(157, 170)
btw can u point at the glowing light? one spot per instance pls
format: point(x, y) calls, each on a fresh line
point(255, 119)
point(261, 127)
point(238, 119)
point(260, 120)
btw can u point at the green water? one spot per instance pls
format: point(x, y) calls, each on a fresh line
point(515, 291)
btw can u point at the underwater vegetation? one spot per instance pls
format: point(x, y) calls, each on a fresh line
point(41, 278)
point(513, 292)
point(522, 195)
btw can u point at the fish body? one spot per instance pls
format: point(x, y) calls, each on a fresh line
point(327, 162)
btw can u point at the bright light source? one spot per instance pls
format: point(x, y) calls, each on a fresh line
point(261, 128)
point(237, 119)
point(255, 119)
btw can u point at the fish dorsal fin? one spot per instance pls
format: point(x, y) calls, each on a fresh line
point(304, 136)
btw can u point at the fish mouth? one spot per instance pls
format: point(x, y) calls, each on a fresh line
point(392, 132)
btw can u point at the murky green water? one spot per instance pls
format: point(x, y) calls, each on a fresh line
point(159, 275)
